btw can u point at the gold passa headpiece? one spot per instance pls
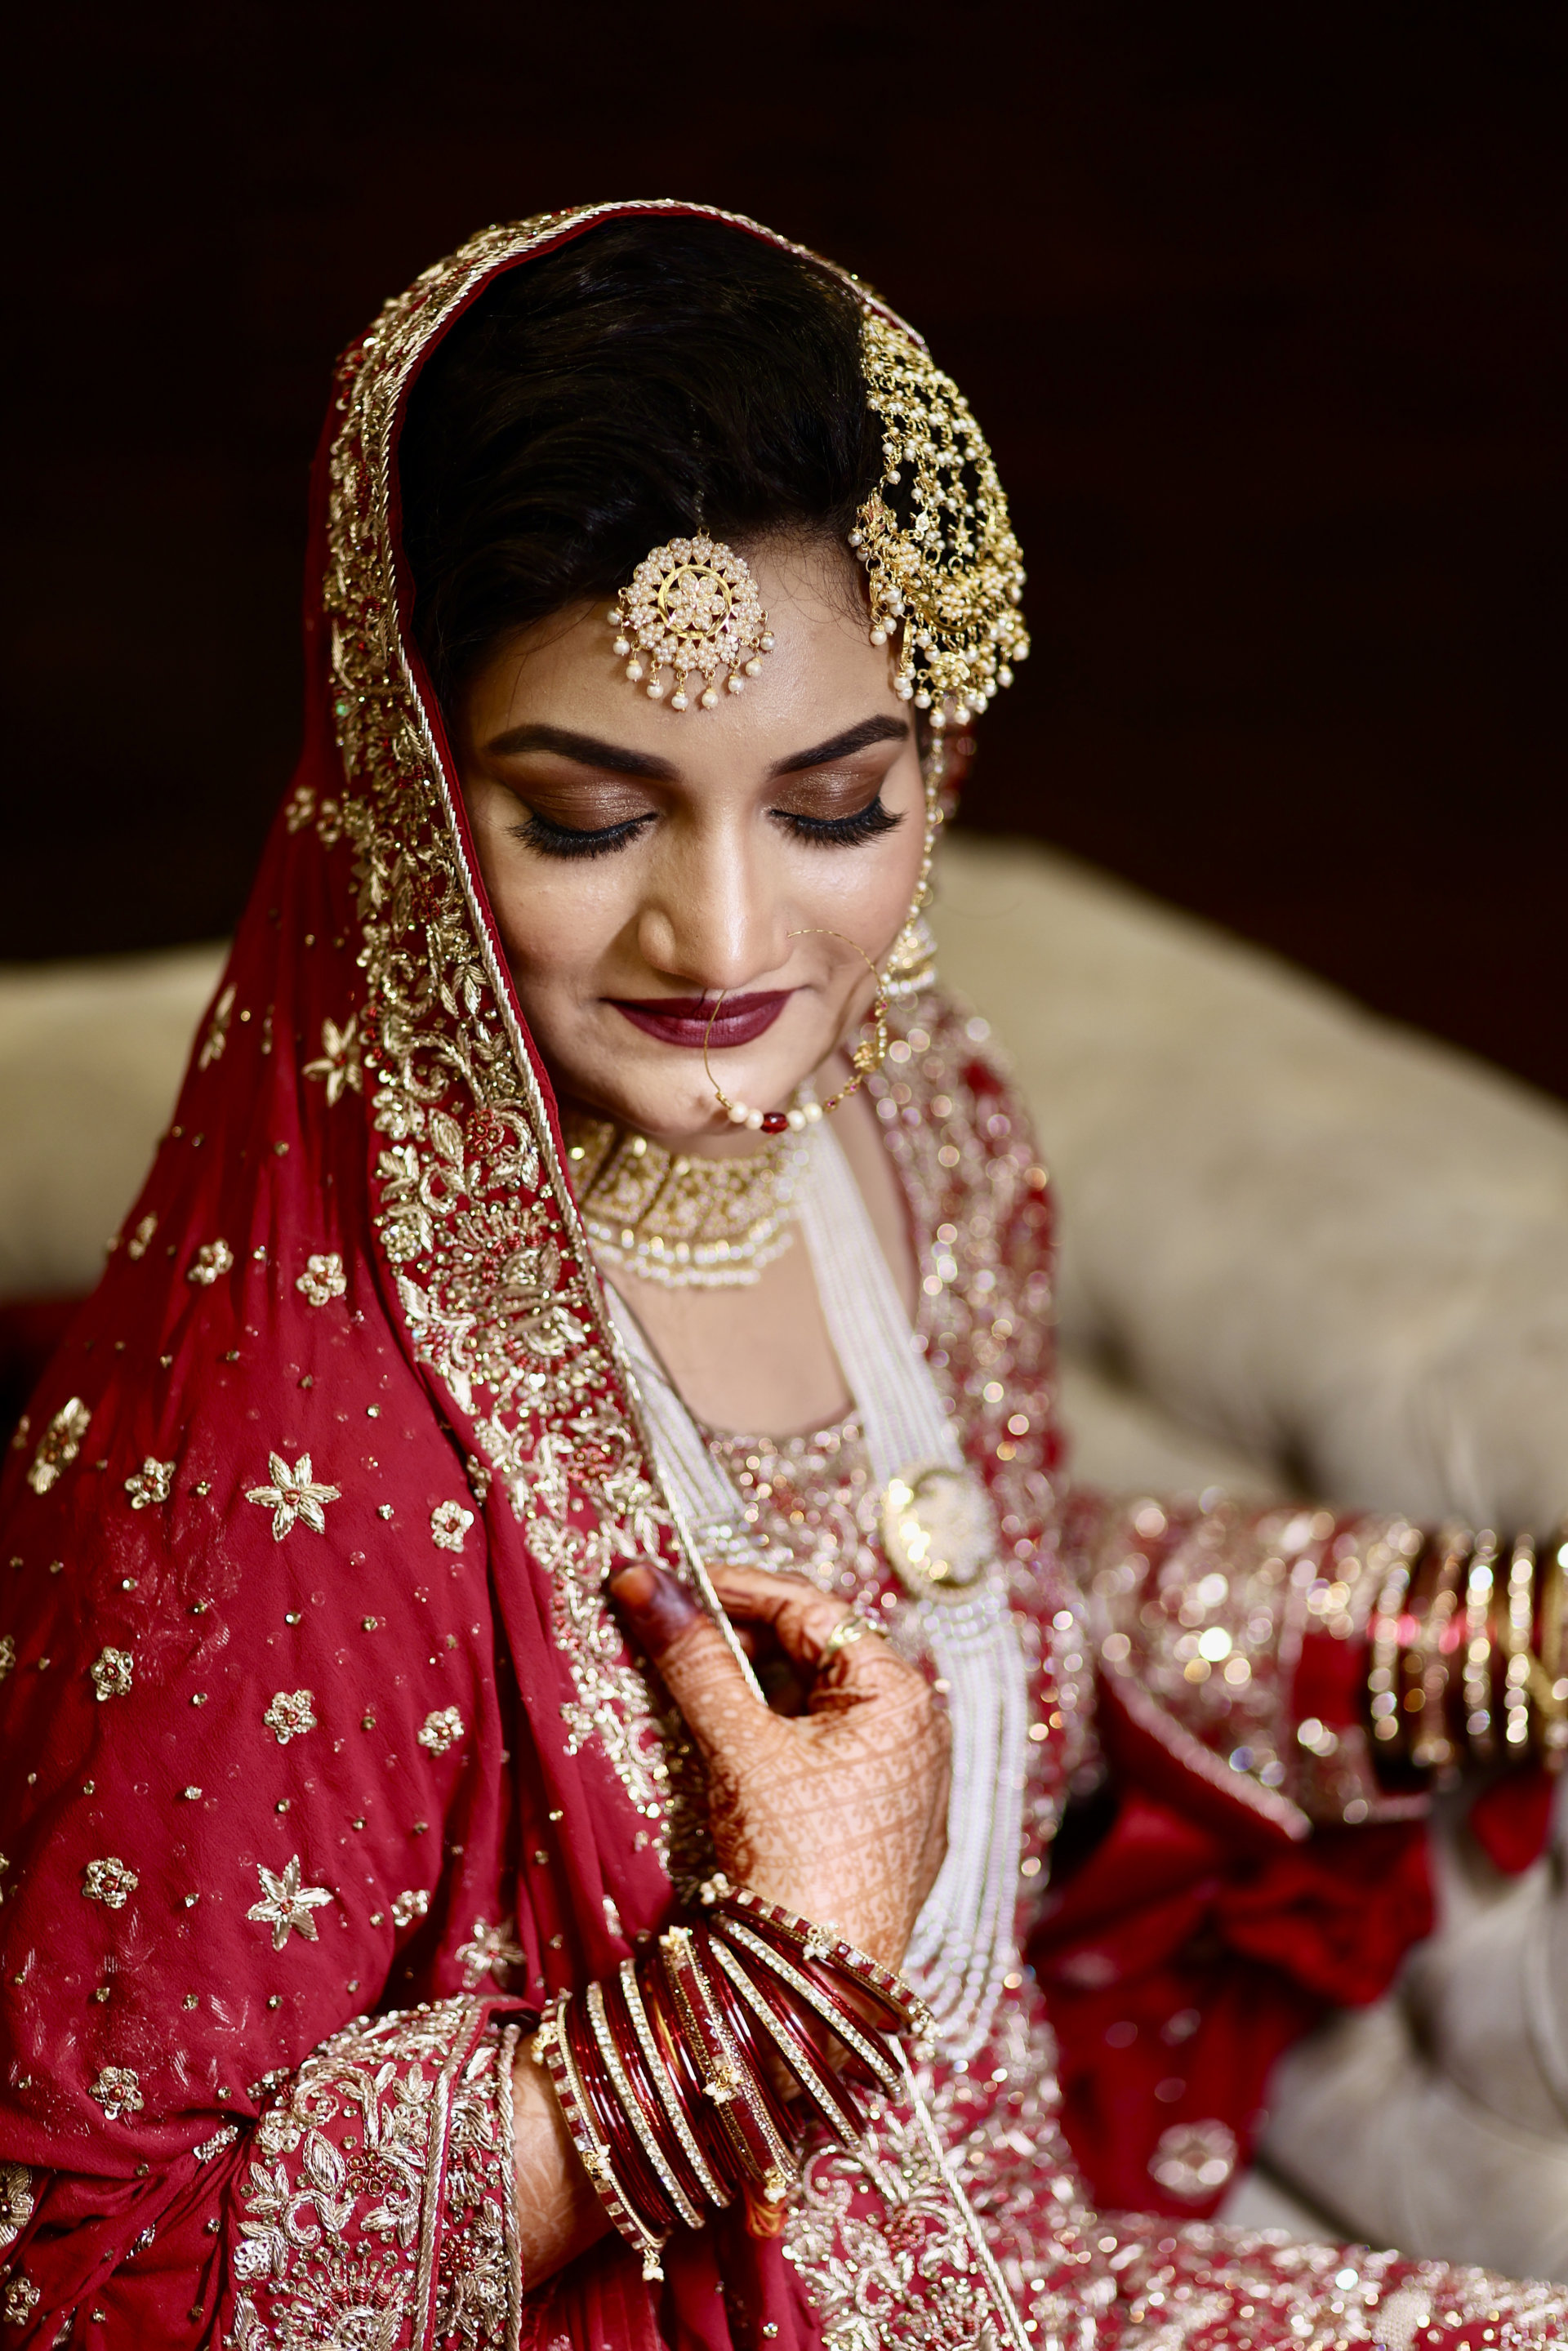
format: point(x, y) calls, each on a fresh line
point(946, 573)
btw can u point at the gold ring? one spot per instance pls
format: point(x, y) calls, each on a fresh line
point(848, 1628)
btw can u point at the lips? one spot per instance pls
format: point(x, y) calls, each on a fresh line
point(684, 1019)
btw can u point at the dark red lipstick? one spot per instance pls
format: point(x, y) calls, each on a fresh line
point(684, 1019)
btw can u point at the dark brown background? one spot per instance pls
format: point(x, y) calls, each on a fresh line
point(1262, 308)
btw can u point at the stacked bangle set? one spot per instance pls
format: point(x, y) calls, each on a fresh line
point(669, 2073)
point(1467, 1652)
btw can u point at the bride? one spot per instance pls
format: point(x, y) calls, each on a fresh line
point(546, 1648)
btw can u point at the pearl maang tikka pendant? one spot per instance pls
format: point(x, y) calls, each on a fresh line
point(691, 605)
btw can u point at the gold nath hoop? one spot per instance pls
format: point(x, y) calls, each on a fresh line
point(865, 1058)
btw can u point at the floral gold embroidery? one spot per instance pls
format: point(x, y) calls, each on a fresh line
point(7, 1653)
point(60, 1445)
point(154, 1482)
point(378, 2209)
point(217, 1035)
point(339, 1063)
point(294, 1494)
point(440, 1730)
point(111, 1673)
point(109, 1881)
point(21, 2298)
point(213, 1259)
point(285, 1903)
point(118, 2090)
point(290, 1715)
point(412, 1904)
point(449, 1522)
point(323, 1279)
point(16, 2201)
point(136, 1246)
point(478, 1224)
point(491, 1951)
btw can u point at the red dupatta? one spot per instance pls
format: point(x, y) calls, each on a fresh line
point(312, 1700)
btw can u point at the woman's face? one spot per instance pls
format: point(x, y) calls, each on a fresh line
point(640, 859)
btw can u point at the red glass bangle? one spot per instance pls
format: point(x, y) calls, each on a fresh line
point(637, 1984)
point(632, 2146)
point(638, 2182)
point(874, 2053)
point(551, 2045)
point(762, 2149)
point(793, 2030)
point(685, 2075)
point(743, 2031)
point(640, 2095)
point(893, 1999)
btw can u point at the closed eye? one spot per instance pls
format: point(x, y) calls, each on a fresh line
point(868, 823)
point(552, 840)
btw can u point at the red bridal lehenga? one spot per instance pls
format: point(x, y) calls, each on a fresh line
point(324, 1762)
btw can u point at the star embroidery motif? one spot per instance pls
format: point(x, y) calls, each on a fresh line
point(294, 1494)
point(340, 1062)
point(285, 1903)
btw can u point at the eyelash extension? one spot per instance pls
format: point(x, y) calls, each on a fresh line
point(551, 840)
point(869, 823)
point(569, 840)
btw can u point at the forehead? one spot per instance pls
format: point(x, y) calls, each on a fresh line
point(822, 674)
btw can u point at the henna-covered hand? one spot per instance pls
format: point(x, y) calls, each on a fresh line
point(839, 1814)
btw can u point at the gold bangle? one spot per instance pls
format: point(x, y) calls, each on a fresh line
point(1547, 1686)
point(1479, 1732)
point(1432, 1748)
point(1382, 1680)
point(1518, 1626)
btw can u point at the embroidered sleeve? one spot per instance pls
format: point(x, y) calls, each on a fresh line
point(373, 2201)
point(1233, 1640)
point(378, 2199)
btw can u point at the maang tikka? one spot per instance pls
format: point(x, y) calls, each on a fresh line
point(691, 604)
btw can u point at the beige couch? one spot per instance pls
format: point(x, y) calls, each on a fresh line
point(1303, 1249)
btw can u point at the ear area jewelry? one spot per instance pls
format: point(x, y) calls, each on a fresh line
point(691, 605)
point(865, 1058)
point(944, 570)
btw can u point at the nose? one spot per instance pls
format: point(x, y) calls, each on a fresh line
point(713, 918)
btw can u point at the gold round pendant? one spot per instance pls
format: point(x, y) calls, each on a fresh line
point(937, 1530)
point(691, 605)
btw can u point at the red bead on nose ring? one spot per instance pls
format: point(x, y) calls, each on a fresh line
point(865, 1058)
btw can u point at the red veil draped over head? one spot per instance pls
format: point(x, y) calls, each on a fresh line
point(312, 1702)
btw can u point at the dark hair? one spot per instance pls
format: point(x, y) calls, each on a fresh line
point(652, 374)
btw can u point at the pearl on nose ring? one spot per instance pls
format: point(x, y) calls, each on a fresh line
point(865, 1058)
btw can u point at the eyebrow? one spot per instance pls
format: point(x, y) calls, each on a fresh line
point(588, 751)
point(844, 746)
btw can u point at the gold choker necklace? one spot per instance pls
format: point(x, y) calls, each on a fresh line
point(690, 1224)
